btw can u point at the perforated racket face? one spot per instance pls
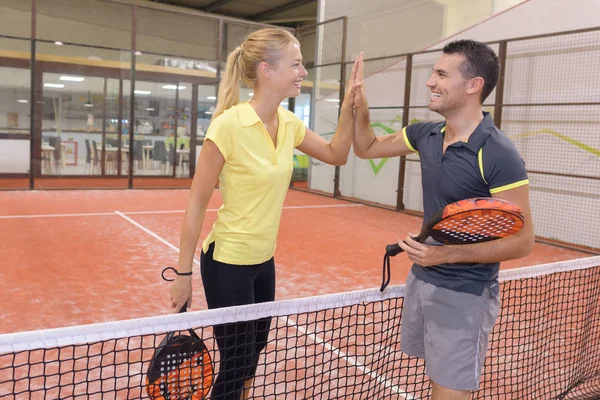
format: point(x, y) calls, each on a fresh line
point(476, 226)
point(181, 369)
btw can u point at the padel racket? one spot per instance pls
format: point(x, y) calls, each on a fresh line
point(475, 220)
point(181, 368)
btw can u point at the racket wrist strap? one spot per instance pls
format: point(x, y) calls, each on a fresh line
point(176, 273)
point(387, 274)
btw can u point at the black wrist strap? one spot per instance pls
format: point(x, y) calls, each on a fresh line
point(176, 273)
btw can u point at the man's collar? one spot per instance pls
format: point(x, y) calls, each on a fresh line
point(479, 135)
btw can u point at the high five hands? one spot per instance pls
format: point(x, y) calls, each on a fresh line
point(354, 95)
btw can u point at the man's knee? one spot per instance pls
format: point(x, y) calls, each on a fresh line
point(444, 393)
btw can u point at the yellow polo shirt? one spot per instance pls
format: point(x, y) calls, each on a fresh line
point(254, 182)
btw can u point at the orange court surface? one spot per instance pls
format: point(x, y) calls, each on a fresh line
point(81, 257)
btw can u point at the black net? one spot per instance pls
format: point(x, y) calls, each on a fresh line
point(545, 345)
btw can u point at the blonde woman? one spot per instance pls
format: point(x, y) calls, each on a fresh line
point(249, 149)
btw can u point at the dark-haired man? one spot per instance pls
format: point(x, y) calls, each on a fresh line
point(452, 293)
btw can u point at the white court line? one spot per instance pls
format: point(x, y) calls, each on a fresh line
point(54, 215)
point(349, 360)
point(292, 323)
point(216, 209)
point(159, 212)
point(154, 235)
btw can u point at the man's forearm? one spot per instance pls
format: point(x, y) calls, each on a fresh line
point(363, 133)
point(491, 252)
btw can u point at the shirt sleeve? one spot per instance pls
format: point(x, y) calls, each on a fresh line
point(502, 166)
point(220, 132)
point(299, 133)
point(415, 132)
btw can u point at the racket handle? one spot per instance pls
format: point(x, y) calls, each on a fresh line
point(393, 249)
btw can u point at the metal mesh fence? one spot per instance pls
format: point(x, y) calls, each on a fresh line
point(15, 19)
point(87, 22)
point(330, 37)
point(384, 88)
point(322, 87)
point(195, 38)
point(549, 110)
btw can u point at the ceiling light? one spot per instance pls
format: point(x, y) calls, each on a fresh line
point(149, 109)
point(211, 98)
point(58, 43)
point(333, 100)
point(72, 78)
point(54, 85)
point(207, 112)
point(23, 101)
point(138, 53)
point(142, 92)
point(173, 87)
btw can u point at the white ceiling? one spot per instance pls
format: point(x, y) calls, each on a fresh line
point(284, 12)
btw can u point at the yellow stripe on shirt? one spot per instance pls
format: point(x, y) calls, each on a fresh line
point(407, 141)
point(480, 162)
point(510, 186)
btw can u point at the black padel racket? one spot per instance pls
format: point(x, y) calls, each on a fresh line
point(181, 368)
point(468, 221)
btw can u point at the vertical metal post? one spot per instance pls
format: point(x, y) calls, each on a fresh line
point(405, 115)
point(104, 107)
point(221, 44)
point(132, 96)
point(175, 129)
point(33, 166)
point(120, 129)
point(500, 86)
point(336, 180)
point(194, 130)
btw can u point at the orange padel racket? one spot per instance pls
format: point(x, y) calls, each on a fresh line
point(181, 368)
point(468, 221)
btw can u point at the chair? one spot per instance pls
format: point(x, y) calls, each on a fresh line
point(172, 156)
point(95, 157)
point(161, 156)
point(88, 156)
point(155, 155)
point(55, 142)
point(183, 159)
point(111, 156)
point(138, 152)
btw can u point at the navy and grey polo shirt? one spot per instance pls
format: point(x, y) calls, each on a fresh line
point(488, 162)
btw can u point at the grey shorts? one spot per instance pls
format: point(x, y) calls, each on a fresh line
point(449, 330)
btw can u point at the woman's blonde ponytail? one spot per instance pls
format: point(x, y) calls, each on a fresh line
point(229, 88)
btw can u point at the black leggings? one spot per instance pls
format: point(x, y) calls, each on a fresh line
point(239, 343)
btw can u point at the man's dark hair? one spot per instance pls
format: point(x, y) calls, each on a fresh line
point(481, 61)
